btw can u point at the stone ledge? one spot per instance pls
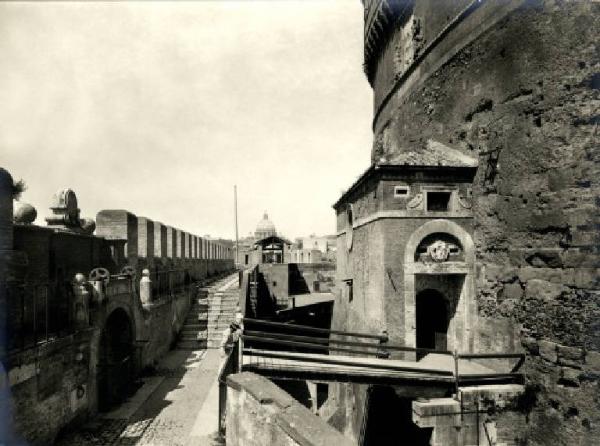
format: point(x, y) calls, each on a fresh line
point(302, 426)
point(261, 389)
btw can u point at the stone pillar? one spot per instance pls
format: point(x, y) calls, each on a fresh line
point(145, 233)
point(145, 288)
point(119, 224)
point(160, 240)
point(6, 211)
point(6, 248)
point(81, 314)
point(171, 242)
point(177, 248)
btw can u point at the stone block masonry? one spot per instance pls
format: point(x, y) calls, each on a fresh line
point(260, 413)
point(514, 84)
point(72, 294)
point(155, 246)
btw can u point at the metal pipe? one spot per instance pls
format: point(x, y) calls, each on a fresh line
point(329, 360)
point(489, 355)
point(324, 341)
point(306, 344)
point(313, 329)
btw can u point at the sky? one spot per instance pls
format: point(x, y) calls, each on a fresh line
point(161, 108)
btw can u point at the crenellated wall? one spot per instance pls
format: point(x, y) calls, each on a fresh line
point(158, 247)
point(65, 293)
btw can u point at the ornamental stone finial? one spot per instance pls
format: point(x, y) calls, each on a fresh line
point(65, 213)
point(23, 213)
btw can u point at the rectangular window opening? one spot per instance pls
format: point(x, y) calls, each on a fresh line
point(438, 201)
point(349, 287)
point(401, 191)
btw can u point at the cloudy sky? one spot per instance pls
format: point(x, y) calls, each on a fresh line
point(161, 108)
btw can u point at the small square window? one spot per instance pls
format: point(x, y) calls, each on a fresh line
point(401, 191)
point(349, 287)
point(438, 201)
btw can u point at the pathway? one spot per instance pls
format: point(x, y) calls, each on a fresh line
point(177, 405)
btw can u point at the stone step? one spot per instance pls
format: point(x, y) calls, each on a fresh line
point(199, 318)
point(190, 337)
point(219, 313)
point(217, 325)
point(213, 344)
point(231, 301)
point(191, 345)
point(195, 331)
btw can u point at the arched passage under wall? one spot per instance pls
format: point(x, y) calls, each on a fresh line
point(116, 361)
point(429, 263)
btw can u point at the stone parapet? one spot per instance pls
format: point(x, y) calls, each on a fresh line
point(260, 413)
point(150, 244)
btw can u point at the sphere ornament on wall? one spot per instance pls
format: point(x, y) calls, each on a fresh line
point(88, 225)
point(23, 213)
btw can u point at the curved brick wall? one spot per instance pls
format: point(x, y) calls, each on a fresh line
point(518, 81)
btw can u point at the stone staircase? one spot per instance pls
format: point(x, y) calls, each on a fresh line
point(222, 305)
point(212, 312)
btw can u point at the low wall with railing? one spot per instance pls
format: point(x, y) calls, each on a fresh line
point(260, 413)
point(55, 364)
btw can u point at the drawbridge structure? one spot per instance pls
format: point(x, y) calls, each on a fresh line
point(452, 382)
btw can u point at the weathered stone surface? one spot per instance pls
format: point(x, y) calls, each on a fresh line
point(570, 356)
point(531, 345)
point(542, 289)
point(592, 361)
point(511, 291)
point(569, 377)
point(520, 92)
point(500, 273)
point(259, 413)
point(548, 350)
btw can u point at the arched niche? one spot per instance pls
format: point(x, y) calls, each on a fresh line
point(116, 359)
point(448, 268)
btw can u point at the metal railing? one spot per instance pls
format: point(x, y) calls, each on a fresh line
point(169, 283)
point(37, 313)
point(231, 365)
point(324, 340)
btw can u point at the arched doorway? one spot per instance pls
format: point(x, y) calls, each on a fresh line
point(432, 320)
point(440, 256)
point(116, 366)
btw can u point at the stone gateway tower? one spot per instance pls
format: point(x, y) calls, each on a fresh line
point(475, 229)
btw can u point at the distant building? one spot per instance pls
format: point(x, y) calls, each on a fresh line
point(253, 252)
point(265, 228)
point(314, 249)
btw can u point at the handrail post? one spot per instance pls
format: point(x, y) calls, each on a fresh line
point(34, 295)
point(381, 352)
point(46, 310)
point(456, 358)
point(240, 354)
